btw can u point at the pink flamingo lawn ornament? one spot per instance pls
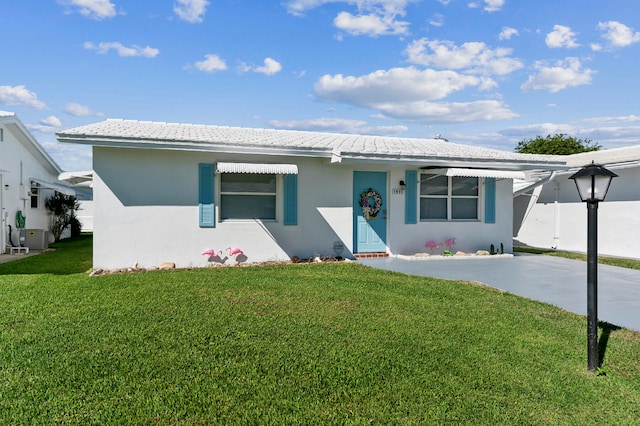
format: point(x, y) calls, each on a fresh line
point(432, 245)
point(211, 252)
point(234, 251)
point(238, 255)
point(450, 242)
point(214, 256)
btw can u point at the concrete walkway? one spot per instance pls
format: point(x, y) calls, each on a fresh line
point(560, 282)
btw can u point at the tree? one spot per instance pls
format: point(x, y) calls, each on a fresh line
point(559, 144)
point(62, 212)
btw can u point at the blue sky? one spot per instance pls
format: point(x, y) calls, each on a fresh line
point(480, 72)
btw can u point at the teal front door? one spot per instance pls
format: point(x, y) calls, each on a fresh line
point(370, 212)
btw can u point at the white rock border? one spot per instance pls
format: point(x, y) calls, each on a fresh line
point(413, 257)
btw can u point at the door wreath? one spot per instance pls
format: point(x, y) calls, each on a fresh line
point(370, 202)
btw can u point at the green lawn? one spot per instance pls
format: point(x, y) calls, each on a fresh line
point(331, 343)
point(605, 260)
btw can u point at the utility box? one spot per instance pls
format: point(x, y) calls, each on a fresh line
point(35, 239)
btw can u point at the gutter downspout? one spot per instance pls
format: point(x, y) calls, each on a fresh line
point(3, 219)
point(556, 218)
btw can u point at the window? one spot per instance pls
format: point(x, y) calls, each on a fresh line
point(248, 196)
point(1, 134)
point(448, 198)
point(34, 195)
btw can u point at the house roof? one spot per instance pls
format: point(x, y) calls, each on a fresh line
point(22, 134)
point(337, 147)
point(605, 157)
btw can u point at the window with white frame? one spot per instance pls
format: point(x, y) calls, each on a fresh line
point(34, 195)
point(248, 196)
point(448, 197)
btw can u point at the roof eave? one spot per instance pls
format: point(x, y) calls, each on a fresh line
point(176, 145)
point(450, 161)
point(32, 145)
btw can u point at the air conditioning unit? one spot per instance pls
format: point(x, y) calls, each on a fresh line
point(36, 239)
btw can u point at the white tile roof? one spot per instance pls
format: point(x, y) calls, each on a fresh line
point(605, 157)
point(342, 147)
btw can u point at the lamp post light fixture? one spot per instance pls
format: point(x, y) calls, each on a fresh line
point(593, 183)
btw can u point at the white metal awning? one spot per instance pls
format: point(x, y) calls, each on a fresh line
point(84, 178)
point(55, 186)
point(499, 174)
point(277, 169)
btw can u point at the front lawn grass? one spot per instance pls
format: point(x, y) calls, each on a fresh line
point(620, 262)
point(331, 343)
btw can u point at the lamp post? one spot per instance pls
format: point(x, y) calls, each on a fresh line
point(593, 183)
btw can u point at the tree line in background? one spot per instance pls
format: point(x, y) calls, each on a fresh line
point(558, 144)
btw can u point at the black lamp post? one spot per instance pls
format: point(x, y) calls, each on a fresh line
point(593, 183)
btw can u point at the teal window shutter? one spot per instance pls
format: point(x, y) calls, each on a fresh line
point(490, 200)
point(206, 206)
point(411, 197)
point(290, 200)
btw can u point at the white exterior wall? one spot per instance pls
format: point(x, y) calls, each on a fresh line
point(565, 223)
point(14, 186)
point(146, 212)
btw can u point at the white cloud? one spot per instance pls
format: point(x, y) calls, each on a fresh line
point(493, 5)
point(507, 33)
point(270, 67)
point(613, 135)
point(618, 34)
point(52, 120)
point(19, 95)
point(78, 110)
point(211, 63)
point(122, 50)
point(561, 36)
point(191, 10)
point(437, 20)
point(449, 112)
point(69, 156)
point(472, 56)
point(374, 17)
point(50, 124)
point(394, 85)
point(540, 129)
point(338, 125)
point(95, 9)
point(620, 119)
point(566, 73)
point(407, 93)
point(372, 25)
point(47, 125)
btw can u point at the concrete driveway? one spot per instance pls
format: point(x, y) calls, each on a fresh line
point(560, 282)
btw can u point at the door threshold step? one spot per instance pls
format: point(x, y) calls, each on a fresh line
point(370, 255)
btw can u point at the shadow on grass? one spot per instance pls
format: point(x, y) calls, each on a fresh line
point(607, 329)
point(71, 256)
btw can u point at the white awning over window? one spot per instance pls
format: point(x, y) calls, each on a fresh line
point(55, 186)
point(277, 169)
point(499, 174)
point(84, 178)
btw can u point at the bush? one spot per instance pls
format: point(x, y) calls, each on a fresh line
point(61, 207)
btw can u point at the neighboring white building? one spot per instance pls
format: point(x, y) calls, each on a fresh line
point(167, 192)
point(549, 214)
point(28, 175)
point(82, 183)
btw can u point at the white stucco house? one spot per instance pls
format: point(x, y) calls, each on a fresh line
point(168, 192)
point(28, 175)
point(549, 214)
